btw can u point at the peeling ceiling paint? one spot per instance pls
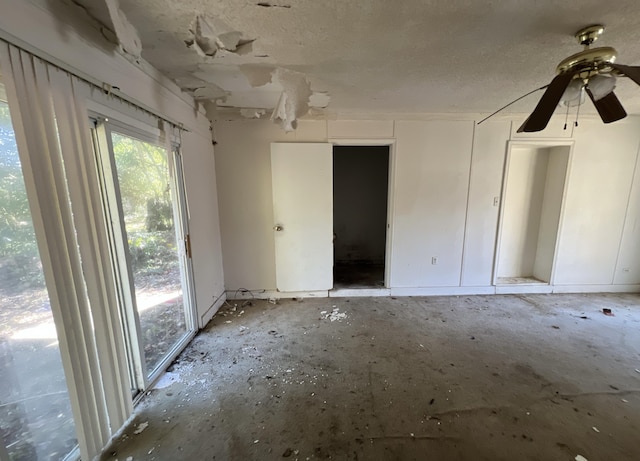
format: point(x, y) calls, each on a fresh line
point(375, 56)
point(126, 34)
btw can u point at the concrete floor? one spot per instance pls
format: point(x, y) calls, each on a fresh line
point(358, 275)
point(531, 377)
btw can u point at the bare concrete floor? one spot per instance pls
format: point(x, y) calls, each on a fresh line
point(358, 275)
point(531, 377)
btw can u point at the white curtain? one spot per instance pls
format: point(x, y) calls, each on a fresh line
point(54, 141)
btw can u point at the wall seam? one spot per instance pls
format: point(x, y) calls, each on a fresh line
point(626, 216)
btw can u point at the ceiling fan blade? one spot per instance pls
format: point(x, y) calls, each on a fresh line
point(609, 107)
point(541, 115)
point(633, 72)
point(521, 129)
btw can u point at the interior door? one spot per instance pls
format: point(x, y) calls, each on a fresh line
point(302, 178)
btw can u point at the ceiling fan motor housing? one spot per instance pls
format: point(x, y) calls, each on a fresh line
point(589, 62)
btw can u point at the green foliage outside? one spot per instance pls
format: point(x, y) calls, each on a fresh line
point(146, 201)
point(19, 258)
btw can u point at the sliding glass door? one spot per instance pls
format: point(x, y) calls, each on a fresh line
point(143, 184)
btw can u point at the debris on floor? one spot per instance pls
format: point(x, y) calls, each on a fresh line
point(167, 380)
point(295, 382)
point(141, 427)
point(334, 315)
point(607, 311)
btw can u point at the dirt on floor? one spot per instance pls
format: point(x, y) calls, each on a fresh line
point(528, 377)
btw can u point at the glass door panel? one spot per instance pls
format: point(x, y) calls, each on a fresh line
point(146, 194)
point(35, 413)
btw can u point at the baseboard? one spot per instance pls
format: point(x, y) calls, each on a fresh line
point(274, 294)
point(442, 291)
point(517, 289)
point(596, 288)
point(426, 291)
point(208, 315)
point(359, 292)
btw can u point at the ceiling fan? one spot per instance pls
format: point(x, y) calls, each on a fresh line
point(592, 71)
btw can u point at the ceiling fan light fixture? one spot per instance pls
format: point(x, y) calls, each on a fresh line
point(573, 95)
point(601, 85)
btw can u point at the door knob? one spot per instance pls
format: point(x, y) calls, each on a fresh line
point(278, 228)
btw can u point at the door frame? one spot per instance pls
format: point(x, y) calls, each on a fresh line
point(503, 196)
point(391, 144)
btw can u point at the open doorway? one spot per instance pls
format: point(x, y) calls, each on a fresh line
point(360, 191)
point(530, 215)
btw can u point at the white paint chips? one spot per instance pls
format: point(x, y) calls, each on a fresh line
point(334, 315)
point(141, 427)
point(581, 458)
point(167, 379)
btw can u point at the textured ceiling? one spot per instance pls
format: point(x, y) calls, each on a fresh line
point(375, 56)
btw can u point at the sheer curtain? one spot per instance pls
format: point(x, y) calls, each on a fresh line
point(53, 135)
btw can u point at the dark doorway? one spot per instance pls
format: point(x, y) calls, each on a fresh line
point(360, 190)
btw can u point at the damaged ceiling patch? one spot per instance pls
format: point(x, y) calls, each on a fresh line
point(190, 83)
point(200, 89)
point(257, 74)
point(211, 35)
point(126, 34)
point(210, 92)
point(252, 113)
point(239, 83)
point(294, 100)
point(320, 99)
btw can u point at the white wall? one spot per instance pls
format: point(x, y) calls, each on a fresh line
point(446, 176)
point(485, 185)
point(558, 158)
point(204, 223)
point(628, 265)
point(597, 197)
point(62, 33)
point(243, 166)
point(360, 203)
point(524, 193)
point(430, 202)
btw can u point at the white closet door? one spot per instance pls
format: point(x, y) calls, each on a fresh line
point(302, 178)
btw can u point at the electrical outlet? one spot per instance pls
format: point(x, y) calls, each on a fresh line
point(434, 260)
